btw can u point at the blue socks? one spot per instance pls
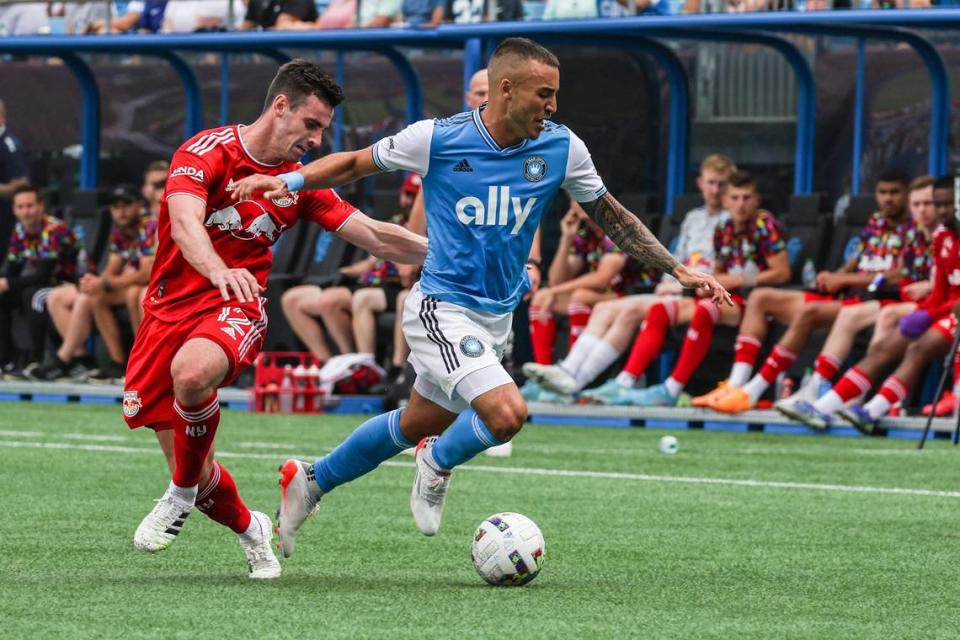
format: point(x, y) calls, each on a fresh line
point(465, 438)
point(374, 441)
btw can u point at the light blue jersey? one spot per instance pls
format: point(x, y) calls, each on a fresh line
point(484, 203)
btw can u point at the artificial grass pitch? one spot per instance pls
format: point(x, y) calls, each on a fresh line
point(736, 536)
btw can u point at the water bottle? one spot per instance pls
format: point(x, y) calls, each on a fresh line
point(786, 388)
point(313, 385)
point(300, 391)
point(287, 390)
point(805, 380)
point(809, 274)
point(876, 283)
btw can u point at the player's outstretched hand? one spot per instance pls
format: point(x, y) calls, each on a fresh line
point(238, 282)
point(693, 279)
point(271, 186)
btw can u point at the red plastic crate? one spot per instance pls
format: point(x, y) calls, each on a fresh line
point(267, 395)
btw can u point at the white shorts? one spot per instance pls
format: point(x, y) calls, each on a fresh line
point(448, 342)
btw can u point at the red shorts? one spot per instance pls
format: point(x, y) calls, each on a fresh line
point(148, 389)
point(947, 326)
point(816, 296)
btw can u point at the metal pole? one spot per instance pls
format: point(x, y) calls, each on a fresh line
point(225, 86)
point(89, 122)
point(338, 114)
point(858, 118)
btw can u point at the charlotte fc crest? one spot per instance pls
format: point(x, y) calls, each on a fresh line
point(534, 168)
point(471, 347)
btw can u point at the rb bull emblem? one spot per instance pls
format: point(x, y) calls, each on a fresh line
point(232, 219)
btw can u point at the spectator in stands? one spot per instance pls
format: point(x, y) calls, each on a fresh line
point(41, 254)
point(13, 174)
point(472, 11)
point(422, 13)
point(567, 9)
point(24, 19)
point(380, 13)
point(76, 307)
point(883, 314)
point(290, 15)
point(339, 14)
point(188, 16)
point(91, 17)
point(586, 269)
point(891, 342)
point(613, 322)
point(877, 253)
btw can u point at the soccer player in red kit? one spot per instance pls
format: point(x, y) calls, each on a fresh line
point(204, 317)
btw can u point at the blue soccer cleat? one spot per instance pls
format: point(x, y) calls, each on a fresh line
point(655, 396)
point(860, 418)
point(805, 413)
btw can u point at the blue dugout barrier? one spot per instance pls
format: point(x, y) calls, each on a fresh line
point(640, 33)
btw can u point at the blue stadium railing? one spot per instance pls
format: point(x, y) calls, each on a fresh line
point(639, 34)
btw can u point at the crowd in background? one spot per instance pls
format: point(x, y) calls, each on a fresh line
point(186, 16)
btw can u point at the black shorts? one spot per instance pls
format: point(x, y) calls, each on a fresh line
point(390, 290)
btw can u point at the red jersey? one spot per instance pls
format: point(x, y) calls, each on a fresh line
point(946, 273)
point(206, 167)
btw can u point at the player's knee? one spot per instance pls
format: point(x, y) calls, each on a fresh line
point(507, 420)
point(191, 377)
point(290, 300)
point(707, 308)
point(583, 296)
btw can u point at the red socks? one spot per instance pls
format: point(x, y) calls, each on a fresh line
point(579, 315)
point(894, 390)
point(648, 343)
point(853, 383)
point(221, 502)
point(697, 342)
point(826, 366)
point(746, 349)
point(543, 334)
point(194, 429)
point(780, 358)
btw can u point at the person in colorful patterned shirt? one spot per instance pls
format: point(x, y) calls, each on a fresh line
point(75, 309)
point(42, 253)
point(613, 323)
point(882, 314)
point(750, 249)
point(877, 253)
point(585, 270)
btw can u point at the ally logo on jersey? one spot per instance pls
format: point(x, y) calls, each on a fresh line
point(497, 210)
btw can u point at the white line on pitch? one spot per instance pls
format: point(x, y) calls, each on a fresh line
point(267, 445)
point(21, 434)
point(90, 436)
point(607, 475)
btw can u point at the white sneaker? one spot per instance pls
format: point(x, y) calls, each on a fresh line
point(263, 564)
point(504, 450)
point(551, 377)
point(160, 528)
point(429, 491)
point(297, 501)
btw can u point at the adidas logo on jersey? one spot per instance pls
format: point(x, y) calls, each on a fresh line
point(231, 186)
point(496, 211)
point(463, 165)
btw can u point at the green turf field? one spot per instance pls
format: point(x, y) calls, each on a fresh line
point(768, 537)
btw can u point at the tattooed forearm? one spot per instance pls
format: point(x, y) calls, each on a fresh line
point(632, 236)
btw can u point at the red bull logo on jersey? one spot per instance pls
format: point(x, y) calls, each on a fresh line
point(246, 220)
point(497, 209)
point(131, 403)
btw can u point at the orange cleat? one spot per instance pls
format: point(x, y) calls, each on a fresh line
point(945, 407)
point(735, 400)
point(709, 398)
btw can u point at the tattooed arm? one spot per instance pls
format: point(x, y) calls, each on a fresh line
point(637, 241)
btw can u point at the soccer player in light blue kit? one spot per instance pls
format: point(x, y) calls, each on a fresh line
point(488, 177)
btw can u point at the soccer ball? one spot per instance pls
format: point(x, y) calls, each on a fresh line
point(508, 549)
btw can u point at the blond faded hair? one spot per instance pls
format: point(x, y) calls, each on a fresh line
point(921, 183)
point(719, 163)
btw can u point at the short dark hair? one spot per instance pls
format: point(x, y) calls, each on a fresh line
point(25, 188)
point(301, 78)
point(525, 49)
point(742, 179)
point(944, 182)
point(894, 175)
point(157, 165)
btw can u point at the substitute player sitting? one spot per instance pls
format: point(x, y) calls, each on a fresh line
point(457, 319)
point(878, 251)
point(204, 317)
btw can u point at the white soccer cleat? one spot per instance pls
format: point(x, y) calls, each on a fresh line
point(551, 377)
point(160, 528)
point(260, 559)
point(297, 502)
point(504, 450)
point(429, 491)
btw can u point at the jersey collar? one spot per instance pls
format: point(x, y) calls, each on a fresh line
point(482, 128)
point(243, 145)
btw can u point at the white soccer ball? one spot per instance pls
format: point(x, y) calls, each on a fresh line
point(669, 444)
point(508, 549)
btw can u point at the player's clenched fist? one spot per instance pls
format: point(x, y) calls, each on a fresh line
point(271, 186)
point(238, 281)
